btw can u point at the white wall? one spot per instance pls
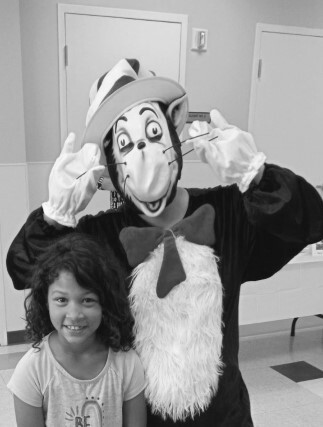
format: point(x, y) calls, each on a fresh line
point(13, 175)
point(12, 134)
point(220, 77)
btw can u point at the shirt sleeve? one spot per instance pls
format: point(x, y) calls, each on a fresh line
point(24, 382)
point(133, 379)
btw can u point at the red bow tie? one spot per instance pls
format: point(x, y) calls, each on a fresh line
point(138, 242)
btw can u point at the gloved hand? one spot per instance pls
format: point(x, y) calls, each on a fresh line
point(72, 181)
point(231, 152)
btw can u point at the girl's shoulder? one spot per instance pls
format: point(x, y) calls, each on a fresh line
point(128, 366)
point(37, 358)
point(32, 375)
point(119, 360)
point(125, 363)
point(34, 356)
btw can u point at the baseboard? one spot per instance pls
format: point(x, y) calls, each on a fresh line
point(279, 326)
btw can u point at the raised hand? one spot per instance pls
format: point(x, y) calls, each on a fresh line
point(231, 152)
point(72, 182)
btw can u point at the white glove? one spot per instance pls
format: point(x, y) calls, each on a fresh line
point(231, 152)
point(72, 182)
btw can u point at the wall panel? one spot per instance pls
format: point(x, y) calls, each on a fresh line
point(13, 213)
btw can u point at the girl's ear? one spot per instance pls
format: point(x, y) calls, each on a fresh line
point(177, 112)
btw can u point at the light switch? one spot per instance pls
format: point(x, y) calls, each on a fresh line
point(198, 115)
point(199, 39)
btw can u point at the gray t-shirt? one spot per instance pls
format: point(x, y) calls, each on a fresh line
point(39, 380)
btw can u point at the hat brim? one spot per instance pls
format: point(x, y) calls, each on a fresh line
point(159, 89)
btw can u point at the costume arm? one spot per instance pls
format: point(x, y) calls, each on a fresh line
point(286, 213)
point(72, 183)
point(33, 237)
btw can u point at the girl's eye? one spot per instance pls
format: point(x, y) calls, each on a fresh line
point(90, 300)
point(124, 142)
point(154, 131)
point(61, 300)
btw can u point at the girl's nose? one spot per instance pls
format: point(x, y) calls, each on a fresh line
point(74, 312)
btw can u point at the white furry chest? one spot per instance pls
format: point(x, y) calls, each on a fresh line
point(179, 337)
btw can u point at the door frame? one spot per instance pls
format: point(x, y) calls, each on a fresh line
point(64, 9)
point(270, 28)
point(3, 318)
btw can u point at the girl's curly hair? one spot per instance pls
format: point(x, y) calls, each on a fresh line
point(94, 268)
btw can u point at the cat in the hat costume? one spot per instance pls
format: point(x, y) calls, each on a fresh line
point(186, 251)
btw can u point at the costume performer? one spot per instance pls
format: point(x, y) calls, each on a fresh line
point(187, 251)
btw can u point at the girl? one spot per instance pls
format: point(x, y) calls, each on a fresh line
point(81, 370)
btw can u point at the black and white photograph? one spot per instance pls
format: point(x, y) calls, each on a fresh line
point(161, 214)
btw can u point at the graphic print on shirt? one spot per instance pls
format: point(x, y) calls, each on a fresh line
point(90, 414)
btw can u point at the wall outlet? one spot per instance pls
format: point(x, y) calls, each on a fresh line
point(198, 115)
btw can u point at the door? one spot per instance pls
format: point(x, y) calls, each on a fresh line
point(93, 39)
point(286, 105)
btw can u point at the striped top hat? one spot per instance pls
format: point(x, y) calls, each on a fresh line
point(121, 88)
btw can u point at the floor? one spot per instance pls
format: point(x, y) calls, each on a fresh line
point(283, 391)
point(284, 376)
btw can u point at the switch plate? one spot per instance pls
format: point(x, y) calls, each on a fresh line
point(198, 115)
point(199, 39)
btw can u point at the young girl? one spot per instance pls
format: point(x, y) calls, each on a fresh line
point(81, 371)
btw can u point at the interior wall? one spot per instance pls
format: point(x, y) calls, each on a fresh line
point(13, 176)
point(12, 139)
point(29, 120)
point(220, 77)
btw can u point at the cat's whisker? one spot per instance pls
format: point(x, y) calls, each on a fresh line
point(215, 137)
point(182, 142)
point(189, 151)
point(120, 163)
point(181, 156)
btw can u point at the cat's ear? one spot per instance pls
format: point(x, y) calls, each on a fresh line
point(177, 112)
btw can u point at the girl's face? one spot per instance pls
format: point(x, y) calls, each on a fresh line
point(75, 312)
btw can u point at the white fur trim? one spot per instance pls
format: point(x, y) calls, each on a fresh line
point(179, 337)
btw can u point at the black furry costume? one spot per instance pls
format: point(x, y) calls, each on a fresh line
point(256, 234)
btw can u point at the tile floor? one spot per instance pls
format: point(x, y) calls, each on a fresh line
point(284, 376)
point(278, 400)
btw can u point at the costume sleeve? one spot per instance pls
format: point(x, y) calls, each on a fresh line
point(24, 382)
point(133, 380)
point(285, 214)
point(33, 237)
